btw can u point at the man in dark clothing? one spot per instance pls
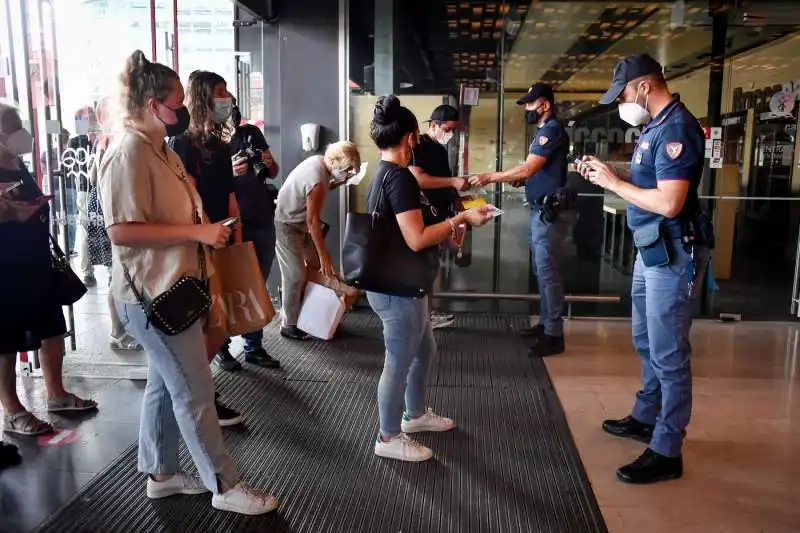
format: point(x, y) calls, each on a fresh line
point(431, 166)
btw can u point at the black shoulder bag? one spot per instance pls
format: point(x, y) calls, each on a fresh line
point(67, 287)
point(376, 258)
point(187, 301)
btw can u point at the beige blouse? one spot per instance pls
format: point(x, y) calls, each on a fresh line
point(141, 183)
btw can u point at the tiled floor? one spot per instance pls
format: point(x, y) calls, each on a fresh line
point(743, 445)
point(741, 455)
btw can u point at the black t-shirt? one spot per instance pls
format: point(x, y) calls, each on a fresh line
point(213, 172)
point(432, 157)
point(25, 245)
point(256, 197)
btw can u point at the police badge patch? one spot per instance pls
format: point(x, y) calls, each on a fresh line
point(543, 140)
point(674, 150)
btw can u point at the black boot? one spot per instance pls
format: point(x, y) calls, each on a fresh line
point(535, 331)
point(546, 345)
point(260, 357)
point(629, 428)
point(651, 467)
point(226, 361)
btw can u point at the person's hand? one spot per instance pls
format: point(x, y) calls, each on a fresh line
point(266, 157)
point(599, 173)
point(214, 235)
point(479, 180)
point(240, 165)
point(477, 216)
point(519, 183)
point(326, 266)
point(460, 184)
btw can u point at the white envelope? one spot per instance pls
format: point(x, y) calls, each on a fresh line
point(321, 311)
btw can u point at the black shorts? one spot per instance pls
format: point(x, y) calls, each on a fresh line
point(23, 328)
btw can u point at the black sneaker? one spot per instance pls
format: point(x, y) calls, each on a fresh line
point(651, 467)
point(629, 428)
point(226, 361)
point(536, 331)
point(261, 358)
point(293, 332)
point(227, 416)
point(546, 345)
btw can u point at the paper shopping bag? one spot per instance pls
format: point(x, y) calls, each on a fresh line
point(343, 290)
point(321, 311)
point(240, 302)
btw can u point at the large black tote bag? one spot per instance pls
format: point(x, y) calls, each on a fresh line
point(376, 258)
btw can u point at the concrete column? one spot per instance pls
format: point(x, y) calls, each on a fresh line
point(384, 47)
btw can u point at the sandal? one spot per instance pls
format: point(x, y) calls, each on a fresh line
point(293, 332)
point(26, 424)
point(125, 343)
point(70, 403)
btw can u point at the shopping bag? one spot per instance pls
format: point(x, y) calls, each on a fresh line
point(240, 302)
point(321, 311)
point(343, 290)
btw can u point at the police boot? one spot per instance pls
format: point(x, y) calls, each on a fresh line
point(545, 345)
point(629, 428)
point(651, 467)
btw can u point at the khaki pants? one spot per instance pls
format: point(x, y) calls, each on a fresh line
point(296, 253)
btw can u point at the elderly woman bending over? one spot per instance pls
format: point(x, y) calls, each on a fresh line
point(300, 240)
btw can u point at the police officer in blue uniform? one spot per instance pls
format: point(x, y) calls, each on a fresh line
point(544, 174)
point(673, 238)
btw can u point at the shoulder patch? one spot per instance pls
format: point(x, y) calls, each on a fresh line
point(543, 139)
point(674, 150)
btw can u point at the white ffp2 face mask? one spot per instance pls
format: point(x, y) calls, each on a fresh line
point(20, 142)
point(445, 138)
point(633, 113)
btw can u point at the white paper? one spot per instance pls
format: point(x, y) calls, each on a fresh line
point(716, 162)
point(355, 180)
point(321, 311)
point(716, 133)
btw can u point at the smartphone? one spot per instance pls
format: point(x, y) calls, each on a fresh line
point(494, 211)
point(576, 160)
point(229, 222)
point(8, 187)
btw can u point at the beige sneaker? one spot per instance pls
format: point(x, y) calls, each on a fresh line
point(180, 483)
point(402, 448)
point(244, 499)
point(430, 421)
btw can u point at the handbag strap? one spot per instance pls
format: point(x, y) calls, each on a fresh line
point(56, 248)
point(377, 210)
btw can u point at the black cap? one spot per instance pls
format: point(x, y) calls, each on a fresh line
point(538, 90)
point(444, 113)
point(628, 69)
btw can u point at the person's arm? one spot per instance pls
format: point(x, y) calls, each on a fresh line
point(272, 165)
point(233, 211)
point(138, 235)
point(666, 199)
point(418, 236)
point(314, 202)
point(531, 166)
point(426, 181)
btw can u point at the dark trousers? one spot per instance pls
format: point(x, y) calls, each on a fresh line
point(263, 239)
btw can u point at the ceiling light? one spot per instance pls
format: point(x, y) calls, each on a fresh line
point(406, 85)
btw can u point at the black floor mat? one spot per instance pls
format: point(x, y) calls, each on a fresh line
point(510, 466)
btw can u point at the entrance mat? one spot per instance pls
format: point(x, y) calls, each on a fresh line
point(511, 464)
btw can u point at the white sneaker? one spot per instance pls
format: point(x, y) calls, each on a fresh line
point(402, 448)
point(244, 499)
point(430, 421)
point(441, 320)
point(180, 483)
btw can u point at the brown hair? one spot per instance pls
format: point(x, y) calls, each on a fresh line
point(142, 79)
point(199, 99)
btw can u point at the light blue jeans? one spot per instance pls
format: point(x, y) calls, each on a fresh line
point(547, 249)
point(178, 401)
point(410, 345)
point(661, 322)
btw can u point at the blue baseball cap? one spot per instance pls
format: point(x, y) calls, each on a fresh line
point(628, 69)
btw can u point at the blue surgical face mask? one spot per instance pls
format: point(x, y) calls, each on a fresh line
point(223, 107)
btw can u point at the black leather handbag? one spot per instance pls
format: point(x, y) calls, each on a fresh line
point(376, 258)
point(67, 286)
point(185, 302)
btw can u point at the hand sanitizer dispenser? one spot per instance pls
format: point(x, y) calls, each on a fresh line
point(310, 137)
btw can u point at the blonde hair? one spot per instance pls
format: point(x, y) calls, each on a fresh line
point(142, 79)
point(343, 155)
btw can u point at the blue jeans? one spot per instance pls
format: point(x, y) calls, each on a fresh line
point(661, 322)
point(409, 342)
point(178, 401)
point(263, 240)
point(547, 252)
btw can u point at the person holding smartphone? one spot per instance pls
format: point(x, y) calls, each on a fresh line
point(30, 318)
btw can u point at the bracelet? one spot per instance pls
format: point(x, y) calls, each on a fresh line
point(452, 228)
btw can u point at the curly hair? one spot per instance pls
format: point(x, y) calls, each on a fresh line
point(199, 101)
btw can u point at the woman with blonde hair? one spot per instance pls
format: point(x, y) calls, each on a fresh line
point(300, 240)
point(154, 220)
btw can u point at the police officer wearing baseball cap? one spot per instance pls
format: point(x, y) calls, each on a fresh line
point(673, 238)
point(544, 174)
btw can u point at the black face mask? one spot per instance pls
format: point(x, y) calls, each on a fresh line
point(182, 124)
point(532, 116)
